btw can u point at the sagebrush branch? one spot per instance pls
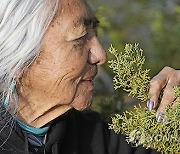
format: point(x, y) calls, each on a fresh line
point(140, 126)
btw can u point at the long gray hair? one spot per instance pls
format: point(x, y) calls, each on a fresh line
point(23, 24)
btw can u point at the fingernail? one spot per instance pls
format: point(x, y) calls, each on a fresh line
point(160, 116)
point(150, 104)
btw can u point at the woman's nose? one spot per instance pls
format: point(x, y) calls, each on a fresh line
point(97, 54)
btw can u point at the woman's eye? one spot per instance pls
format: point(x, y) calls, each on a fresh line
point(82, 37)
point(81, 40)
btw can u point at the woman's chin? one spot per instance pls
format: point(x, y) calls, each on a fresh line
point(83, 96)
point(82, 105)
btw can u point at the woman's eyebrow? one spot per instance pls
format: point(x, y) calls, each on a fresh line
point(89, 21)
point(95, 22)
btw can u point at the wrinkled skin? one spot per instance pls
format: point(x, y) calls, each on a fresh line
point(61, 76)
point(166, 79)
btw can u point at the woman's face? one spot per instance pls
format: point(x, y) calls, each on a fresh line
point(63, 72)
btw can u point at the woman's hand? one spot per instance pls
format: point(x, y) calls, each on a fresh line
point(165, 80)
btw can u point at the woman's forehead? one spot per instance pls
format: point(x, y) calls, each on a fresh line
point(74, 15)
point(75, 9)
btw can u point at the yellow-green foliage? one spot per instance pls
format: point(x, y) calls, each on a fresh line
point(176, 92)
point(129, 73)
point(140, 126)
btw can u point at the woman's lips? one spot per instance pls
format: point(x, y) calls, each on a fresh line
point(89, 76)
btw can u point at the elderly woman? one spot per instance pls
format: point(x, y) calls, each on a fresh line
point(49, 52)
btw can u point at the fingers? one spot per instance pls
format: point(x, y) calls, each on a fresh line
point(167, 99)
point(166, 79)
point(156, 86)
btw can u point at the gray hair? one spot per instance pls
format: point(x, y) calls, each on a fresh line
point(23, 24)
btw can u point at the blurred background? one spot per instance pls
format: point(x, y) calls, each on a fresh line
point(155, 25)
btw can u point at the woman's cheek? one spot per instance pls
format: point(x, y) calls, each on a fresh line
point(65, 91)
